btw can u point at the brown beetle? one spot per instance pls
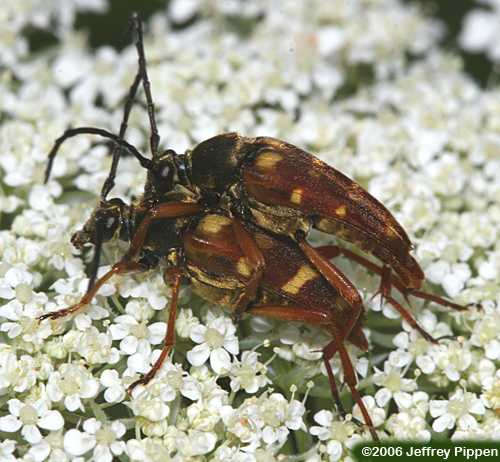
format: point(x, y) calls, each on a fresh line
point(270, 191)
point(280, 188)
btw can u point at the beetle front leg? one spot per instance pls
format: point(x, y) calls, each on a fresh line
point(166, 210)
point(118, 268)
point(174, 276)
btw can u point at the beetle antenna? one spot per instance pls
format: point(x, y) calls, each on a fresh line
point(145, 162)
point(146, 85)
point(117, 149)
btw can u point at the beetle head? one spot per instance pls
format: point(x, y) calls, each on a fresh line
point(105, 223)
point(165, 172)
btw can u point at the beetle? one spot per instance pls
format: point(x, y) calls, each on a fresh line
point(270, 191)
point(277, 186)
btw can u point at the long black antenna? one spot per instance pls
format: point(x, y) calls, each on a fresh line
point(117, 149)
point(139, 44)
point(146, 163)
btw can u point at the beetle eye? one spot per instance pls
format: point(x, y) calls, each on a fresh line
point(165, 171)
point(110, 222)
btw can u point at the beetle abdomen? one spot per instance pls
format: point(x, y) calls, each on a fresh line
point(284, 175)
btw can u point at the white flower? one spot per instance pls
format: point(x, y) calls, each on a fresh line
point(52, 445)
point(453, 359)
point(151, 402)
point(413, 347)
point(103, 439)
point(72, 383)
point(7, 448)
point(27, 417)
point(486, 334)
point(376, 413)
point(115, 389)
point(478, 33)
point(338, 434)
point(94, 346)
point(216, 340)
point(491, 393)
point(394, 386)
point(136, 335)
point(456, 410)
point(152, 449)
point(18, 374)
point(248, 374)
point(405, 426)
point(279, 416)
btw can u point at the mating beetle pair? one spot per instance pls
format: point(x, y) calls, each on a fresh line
point(232, 217)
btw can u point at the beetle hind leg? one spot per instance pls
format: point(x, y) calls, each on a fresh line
point(349, 376)
point(391, 280)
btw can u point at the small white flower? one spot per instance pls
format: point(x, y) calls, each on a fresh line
point(491, 392)
point(376, 413)
point(151, 402)
point(394, 386)
point(18, 374)
point(27, 417)
point(338, 435)
point(7, 448)
point(456, 410)
point(114, 388)
point(248, 374)
point(453, 359)
point(486, 334)
point(216, 340)
point(103, 439)
point(405, 426)
point(279, 416)
point(72, 383)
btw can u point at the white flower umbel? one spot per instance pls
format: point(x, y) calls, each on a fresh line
point(366, 87)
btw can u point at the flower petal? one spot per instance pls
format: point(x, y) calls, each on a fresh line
point(198, 355)
point(52, 420)
point(77, 443)
point(220, 361)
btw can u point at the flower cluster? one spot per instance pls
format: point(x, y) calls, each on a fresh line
point(364, 86)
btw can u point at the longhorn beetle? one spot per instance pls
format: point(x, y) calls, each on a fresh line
point(264, 190)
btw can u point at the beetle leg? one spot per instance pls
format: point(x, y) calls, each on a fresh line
point(332, 251)
point(350, 378)
point(174, 276)
point(165, 210)
point(252, 252)
point(328, 353)
point(407, 316)
point(331, 273)
point(321, 318)
point(118, 268)
point(384, 289)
